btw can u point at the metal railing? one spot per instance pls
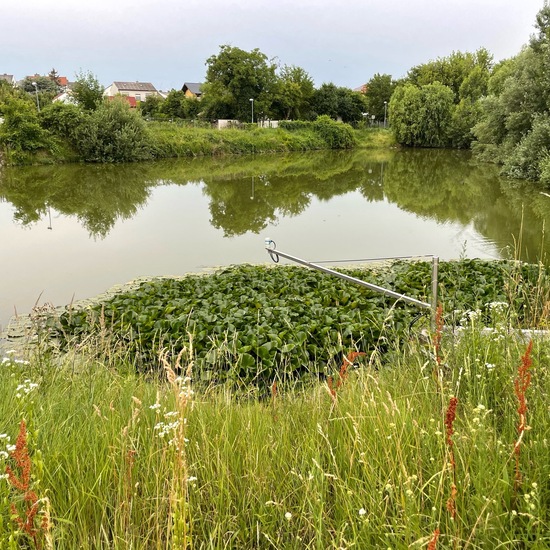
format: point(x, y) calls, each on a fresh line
point(275, 254)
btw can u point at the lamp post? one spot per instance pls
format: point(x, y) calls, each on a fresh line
point(252, 104)
point(36, 91)
point(385, 111)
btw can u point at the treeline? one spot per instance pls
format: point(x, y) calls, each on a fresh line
point(501, 111)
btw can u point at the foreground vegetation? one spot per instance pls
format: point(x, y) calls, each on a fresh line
point(445, 445)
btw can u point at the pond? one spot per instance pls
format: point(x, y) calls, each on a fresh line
point(71, 232)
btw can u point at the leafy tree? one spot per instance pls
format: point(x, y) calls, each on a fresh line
point(152, 106)
point(43, 84)
point(379, 90)
point(452, 70)
point(62, 119)
point(87, 91)
point(421, 116)
point(295, 92)
point(233, 78)
point(338, 102)
point(177, 105)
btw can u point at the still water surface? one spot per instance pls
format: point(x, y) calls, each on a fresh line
point(71, 232)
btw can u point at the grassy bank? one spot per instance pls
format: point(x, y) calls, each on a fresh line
point(423, 439)
point(429, 447)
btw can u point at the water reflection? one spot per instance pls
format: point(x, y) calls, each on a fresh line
point(248, 194)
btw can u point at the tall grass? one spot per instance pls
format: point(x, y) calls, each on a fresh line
point(130, 461)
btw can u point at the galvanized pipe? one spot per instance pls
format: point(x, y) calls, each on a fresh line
point(274, 254)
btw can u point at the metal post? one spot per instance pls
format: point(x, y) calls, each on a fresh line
point(435, 277)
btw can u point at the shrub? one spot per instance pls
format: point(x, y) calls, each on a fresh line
point(63, 120)
point(20, 130)
point(114, 133)
point(336, 134)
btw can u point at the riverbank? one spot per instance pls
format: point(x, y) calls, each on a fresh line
point(163, 140)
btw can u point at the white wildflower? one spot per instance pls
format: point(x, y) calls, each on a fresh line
point(362, 511)
point(288, 516)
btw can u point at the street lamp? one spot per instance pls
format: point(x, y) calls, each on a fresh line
point(36, 91)
point(252, 103)
point(385, 111)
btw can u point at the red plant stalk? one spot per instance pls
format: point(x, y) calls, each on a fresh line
point(343, 373)
point(433, 541)
point(450, 417)
point(521, 384)
point(21, 482)
point(438, 334)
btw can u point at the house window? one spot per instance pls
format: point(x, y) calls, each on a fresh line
point(138, 97)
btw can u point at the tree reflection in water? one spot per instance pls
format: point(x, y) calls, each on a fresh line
point(248, 193)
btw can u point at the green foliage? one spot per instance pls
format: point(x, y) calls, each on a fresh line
point(367, 468)
point(513, 127)
point(466, 74)
point(336, 134)
point(526, 158)
point(233, 78)
point(21, 130)
point(294, 94)
point(254, 325)
point(113, 133)
point(43, 84)
point(62, 119)
point(177, 105)
point(379, 91)
point(422, 116)
point(338, 103)
point(87, 91)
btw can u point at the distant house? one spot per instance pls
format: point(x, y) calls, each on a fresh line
point(192, 89)
point(139, 91)
point(362, 89)
point(8, 78)
point(64, 97)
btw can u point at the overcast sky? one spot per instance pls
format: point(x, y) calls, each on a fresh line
point(167, 42)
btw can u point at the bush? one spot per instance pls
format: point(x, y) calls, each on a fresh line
point(20, 130)
point(336, 134)
point(63, 120)
point(114, 133)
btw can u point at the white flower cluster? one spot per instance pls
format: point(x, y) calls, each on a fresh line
point(470, 316)
point(5, 448)
point(169, 427)
point(11, 360)
point(25, 388)
point(184, 385)
point(498, 307)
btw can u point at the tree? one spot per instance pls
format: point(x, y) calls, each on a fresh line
point(421, 115)
point(378, 94)
point(233, 78)
point(43, 84)
point(339, 103)
point(87, 91)
point(452, 70)
point(295, 92)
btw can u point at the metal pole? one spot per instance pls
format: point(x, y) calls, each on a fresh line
point(435, 277)
point(276, 253)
